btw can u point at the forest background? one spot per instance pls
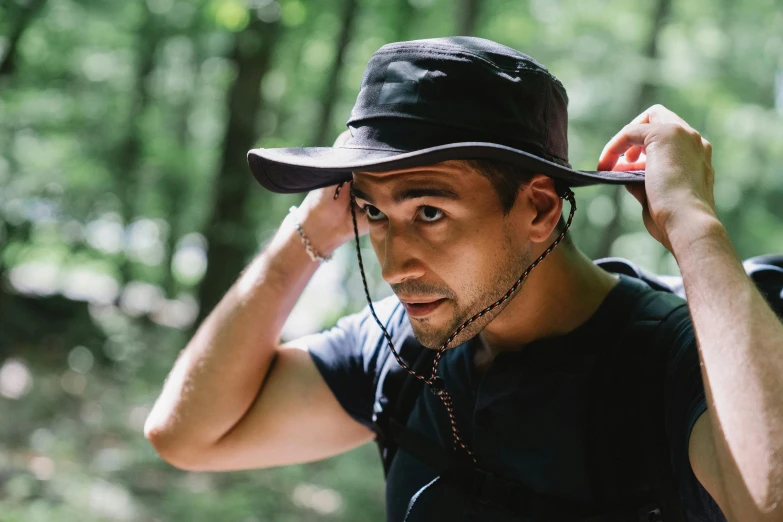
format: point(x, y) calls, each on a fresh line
point(127, 208)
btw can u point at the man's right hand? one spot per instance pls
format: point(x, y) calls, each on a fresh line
point(327, 221)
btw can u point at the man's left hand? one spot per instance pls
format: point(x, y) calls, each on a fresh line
point(677, 190)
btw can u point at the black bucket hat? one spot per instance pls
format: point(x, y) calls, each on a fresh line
point(426, 101)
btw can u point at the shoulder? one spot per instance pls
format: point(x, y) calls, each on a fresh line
point(357, 340)
point(649, 304)
point(363, 325)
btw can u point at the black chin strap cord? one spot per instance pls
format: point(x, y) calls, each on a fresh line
point(435, 383)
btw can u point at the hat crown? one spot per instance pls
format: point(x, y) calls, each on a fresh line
point(425, 93)
point(499, 54)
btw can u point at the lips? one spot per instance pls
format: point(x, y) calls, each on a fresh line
point(420, 309)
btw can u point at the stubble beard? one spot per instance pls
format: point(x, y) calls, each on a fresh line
point(476, 297)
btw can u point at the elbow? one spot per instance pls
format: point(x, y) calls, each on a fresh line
point(747, 507)
point(173, 449)
point(156, 432)
point(772, 507)
point(165, 445)
point(771, 514)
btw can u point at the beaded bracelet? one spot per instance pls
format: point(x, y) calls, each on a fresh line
point(314, 255)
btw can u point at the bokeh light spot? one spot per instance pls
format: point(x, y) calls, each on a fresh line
point(15, 379)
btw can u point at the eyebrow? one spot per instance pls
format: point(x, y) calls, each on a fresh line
point(412, 193)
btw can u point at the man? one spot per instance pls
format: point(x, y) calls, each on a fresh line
point(458, 162)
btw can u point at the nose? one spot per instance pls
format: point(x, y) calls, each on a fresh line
point(399, 255)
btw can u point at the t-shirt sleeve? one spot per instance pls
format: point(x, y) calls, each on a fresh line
point(685, 401)
point(347, 356)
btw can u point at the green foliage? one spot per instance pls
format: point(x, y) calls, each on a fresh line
point(112, 134)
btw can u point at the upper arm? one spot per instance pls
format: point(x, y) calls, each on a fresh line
point(704, 461)
point(722, 479)
point(294, 418)
point(710, 489)
point(698, 478)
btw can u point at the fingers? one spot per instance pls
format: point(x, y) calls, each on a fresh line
point(660, 114)
point(342, 192)
point(625, 166)
point(337, 191)
point(707, 149)
point(654, 123)
point(634, 134)
point(632, 154)
point(633, 159)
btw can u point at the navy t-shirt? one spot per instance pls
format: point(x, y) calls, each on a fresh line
point(522, 417)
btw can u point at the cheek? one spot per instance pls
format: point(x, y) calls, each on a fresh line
point(472, 264)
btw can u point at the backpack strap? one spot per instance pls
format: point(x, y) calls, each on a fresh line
point(775, 260)
point(626, 446)
point(767, 273)
point(664, 283)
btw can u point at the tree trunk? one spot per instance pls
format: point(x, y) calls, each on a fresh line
point(130, 151)
point(229, 238)
point(467, 13)
point(8, 63)
point(332, 92)
point(644, 99)
point(176, 184)
point(175, 188)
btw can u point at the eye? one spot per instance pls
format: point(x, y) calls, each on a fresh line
point(373, 214)
point(430, 214)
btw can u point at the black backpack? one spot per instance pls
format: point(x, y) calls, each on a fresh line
point(625, 490)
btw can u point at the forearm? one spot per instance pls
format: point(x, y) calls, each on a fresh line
point(741, 349)
point(218, 375)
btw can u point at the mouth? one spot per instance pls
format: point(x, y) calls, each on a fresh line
point(420, 309)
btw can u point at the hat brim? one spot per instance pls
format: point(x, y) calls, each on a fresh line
point(293, 170)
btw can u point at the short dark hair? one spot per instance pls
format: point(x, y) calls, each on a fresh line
point(507, 179)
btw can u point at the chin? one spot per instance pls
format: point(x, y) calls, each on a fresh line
point(433, 337)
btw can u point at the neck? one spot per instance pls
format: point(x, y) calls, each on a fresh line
point(559, 295)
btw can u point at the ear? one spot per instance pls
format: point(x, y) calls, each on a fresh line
point(546, 207)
